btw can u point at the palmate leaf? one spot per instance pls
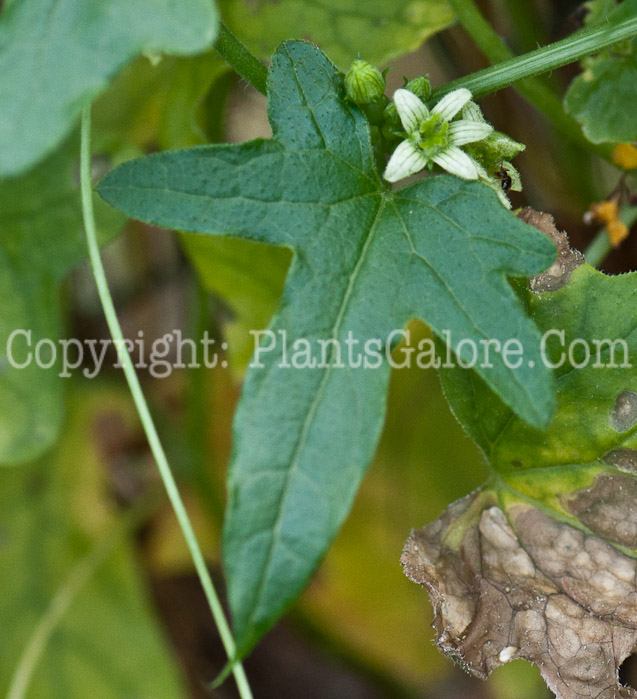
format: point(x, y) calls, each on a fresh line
point(540, 563)
point(366, 260)
point(55, 54)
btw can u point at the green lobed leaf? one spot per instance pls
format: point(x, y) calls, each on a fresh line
point(55, 515)
point(366, 261)
point(358, 598)
point(378, 30)
point(581, 431)
point(56, 54)
point(604, 97)
point(41, 238)
point(549, 544)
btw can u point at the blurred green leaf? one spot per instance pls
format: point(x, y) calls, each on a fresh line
point(604, 97)
point(56, 54)
point(249, 277)
point(519, 679)
point(41, 238)
point(156, 104)
point(30, 398)
point(378, 30)
point(54, 516)
point(366, 262)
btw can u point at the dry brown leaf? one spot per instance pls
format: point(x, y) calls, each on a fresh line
point(518, 583)
point(541, 563)
point(568, 259)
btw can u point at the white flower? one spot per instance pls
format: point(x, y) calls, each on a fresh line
point(432, 136)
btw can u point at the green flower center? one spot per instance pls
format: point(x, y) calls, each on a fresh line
point(433, 136)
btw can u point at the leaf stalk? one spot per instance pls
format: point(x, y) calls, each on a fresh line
point(237, 56)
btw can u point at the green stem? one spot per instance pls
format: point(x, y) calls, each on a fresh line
point(538, 93)
point(598, 249)
point(510, 69)
point(142, 408)
point(601, 246)
point(66, 594)
point(237, 56)
point(542, 60)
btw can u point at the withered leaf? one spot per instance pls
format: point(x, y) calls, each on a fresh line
point(541, 563)
point(568, 259)
point(510, 581)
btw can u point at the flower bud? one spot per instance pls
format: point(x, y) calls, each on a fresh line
point(364, 83)
point(421, 87)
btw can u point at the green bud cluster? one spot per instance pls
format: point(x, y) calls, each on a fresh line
point(365, 86)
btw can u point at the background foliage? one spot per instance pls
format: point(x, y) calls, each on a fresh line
point(82, 514)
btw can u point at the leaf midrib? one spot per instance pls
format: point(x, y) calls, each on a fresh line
point(307, 424)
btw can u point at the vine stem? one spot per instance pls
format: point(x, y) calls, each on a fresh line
point(509, 69)
point(497, 52)
point(237, 56)
point(598, 249)
point(144, 412)
point(542, 60)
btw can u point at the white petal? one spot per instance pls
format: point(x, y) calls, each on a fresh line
point(452, 103)
point(457, 162)
point(410, 110)
point(472, 112)
point(461, 132)
point(406, 160)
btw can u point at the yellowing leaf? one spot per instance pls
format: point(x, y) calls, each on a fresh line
point(56, 518)
point(541, 562)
